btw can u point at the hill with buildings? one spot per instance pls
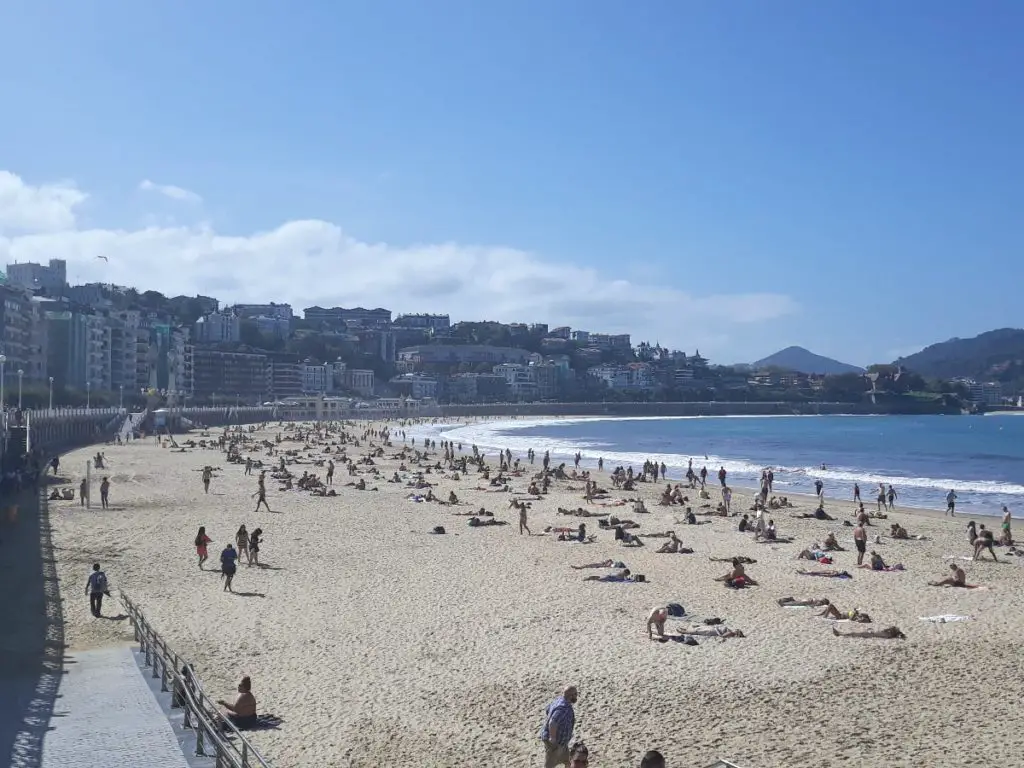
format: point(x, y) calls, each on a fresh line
point(994, 357)
point(803, 361)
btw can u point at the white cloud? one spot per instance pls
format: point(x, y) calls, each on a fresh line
point(169, 190)
point(316, 262)
point(48, 207)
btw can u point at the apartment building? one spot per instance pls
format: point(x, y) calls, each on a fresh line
point(463, 353)
point(340, 316)
point(50, 278)
point(19, 333)
point(229, 374)
point(282, 311)
point(218, 328)
point(424, 320)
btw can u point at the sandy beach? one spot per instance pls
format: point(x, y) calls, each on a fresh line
point(378, 643)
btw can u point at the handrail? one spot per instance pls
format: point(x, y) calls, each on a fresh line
point(188, 693)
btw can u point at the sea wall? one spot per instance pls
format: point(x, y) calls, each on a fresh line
point(696, 409)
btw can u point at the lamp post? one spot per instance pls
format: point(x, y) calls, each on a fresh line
point(21, 375)
point(3, 362)
point(51, 393)
point(88, 395)
point(120, 397)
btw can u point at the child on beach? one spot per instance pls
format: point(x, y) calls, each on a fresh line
point(201, 541)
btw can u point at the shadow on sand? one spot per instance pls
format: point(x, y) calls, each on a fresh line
point(32, 645)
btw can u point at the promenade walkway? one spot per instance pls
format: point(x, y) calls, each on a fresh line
point(108, 716)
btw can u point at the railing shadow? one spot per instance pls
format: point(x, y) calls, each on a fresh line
point(32, 648)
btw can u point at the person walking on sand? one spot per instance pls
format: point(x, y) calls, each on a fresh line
point(242, 543)
point(522, 520)
point(891, 495)
point(721, 476)
point(881, 498)
point(1005, 538)
point(261, 493)
point(860, 540)
point(330, 471)
point(819, 488)
point(856, 493)
point(559, 721)
point(105, 493)
point(255, 539)
point(228, 559)
point(202, 540)
point(951, 498)
point(207, 476)
point(83, 492)
point(96, 587)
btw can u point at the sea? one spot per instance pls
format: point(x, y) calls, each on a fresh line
point(922, 457)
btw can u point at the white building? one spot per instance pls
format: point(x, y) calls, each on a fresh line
point(217, 328)
point(359, 380)
point(53, 277)
point(317, 378)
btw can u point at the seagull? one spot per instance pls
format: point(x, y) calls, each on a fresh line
point(104, 258)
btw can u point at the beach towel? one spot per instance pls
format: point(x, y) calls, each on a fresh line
point(948, 618)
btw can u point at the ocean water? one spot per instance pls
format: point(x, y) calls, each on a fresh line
point(980, 457)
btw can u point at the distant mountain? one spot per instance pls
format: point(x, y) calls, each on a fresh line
point(992, 356)
point(803, 361)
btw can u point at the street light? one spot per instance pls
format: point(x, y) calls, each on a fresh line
point(120, 397)
point(3, 361)
point(21, 375)
point(88, 395)
point(51, 393)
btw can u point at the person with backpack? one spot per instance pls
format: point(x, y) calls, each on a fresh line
point(96, 587)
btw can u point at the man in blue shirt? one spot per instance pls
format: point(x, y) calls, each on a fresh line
point(559, 721)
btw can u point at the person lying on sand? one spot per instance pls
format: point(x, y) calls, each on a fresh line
point(602, 564)
point(827, 574)
point(623, 575)
point(721, 632)
point(814, 602)
point(889, 633)
point(958, 579)
point(737, 577)
point(742, 559)
point(831, 612)
point(814, 554)
point(818, 514)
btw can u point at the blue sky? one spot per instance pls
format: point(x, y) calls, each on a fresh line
point(844, 176)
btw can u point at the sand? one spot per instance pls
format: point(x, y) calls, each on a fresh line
point(378, 643)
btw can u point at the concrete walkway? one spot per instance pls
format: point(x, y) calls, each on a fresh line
point(108, 717)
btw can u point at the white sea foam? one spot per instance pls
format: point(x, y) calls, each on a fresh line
point(499, 435)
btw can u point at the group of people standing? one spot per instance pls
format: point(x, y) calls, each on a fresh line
point(245, 543)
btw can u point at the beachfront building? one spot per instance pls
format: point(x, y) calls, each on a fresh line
point(282, 311)
point(617, 341)
point(635, 376)
point(217, 328)
point(20, 333)
point(340, 317)
point(51, 278)
point(462, 353)
point(522, 385)
point(415, 385)
point(424, 320)
point(359, 380)
point(317, 378)
point(983, 393)
point(229, 374)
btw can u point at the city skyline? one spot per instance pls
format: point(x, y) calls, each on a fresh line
point(836, 177)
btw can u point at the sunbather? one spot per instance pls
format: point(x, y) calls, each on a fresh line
point(623, 575)
point(737, 577)
point(958, 579)
point(720, 631)
point(889, 633)
point(792, 602)
point(602, 564)
point(828, 574)
point(831, 612)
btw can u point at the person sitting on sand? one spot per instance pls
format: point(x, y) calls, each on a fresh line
point(792, 602)
point(242, 713)
point(958, 579)
point(737, 577)
point(897, 531)
point(984, 541)
point(656, 620)
point(878, 564)
point(889, 633)
point(831, 612)
point(639, 508)
point(670, 547)
point(831, 544)
point(452, 498)
point(623, 575)
point(769, 533)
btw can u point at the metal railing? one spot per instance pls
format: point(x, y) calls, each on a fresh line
point(228, 745)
